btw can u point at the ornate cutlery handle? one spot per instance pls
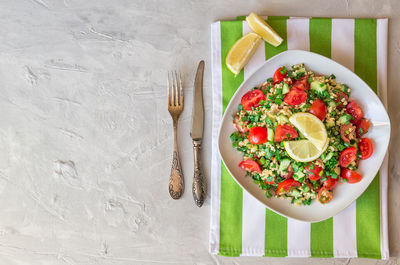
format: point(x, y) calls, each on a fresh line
point(199, 184)
point(176, 186)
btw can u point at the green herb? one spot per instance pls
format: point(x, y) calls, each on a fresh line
point(240, 107)
point(283, 70)
point(333, 76)
point(270, 80)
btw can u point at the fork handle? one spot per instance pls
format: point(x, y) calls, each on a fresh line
point(176, 185)
point(199, 184)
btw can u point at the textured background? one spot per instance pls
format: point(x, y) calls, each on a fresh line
point(86, 139)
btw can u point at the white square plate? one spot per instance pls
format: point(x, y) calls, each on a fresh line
point(345, 193)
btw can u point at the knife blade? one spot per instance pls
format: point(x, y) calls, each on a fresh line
point(199, 183)
point(198, 109)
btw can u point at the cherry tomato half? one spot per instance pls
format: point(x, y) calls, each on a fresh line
point(324, 195)
point(286, 185)
point(330, 183)
point(295, 97)
point(314, 172)
point(347, 156)
point(355, 111)
point(318, 108)
point(339, 98)
point(285, 131)
point(252, 98)
point(362, 127)
point(278, 76)
point(350, 176)
point(258, 135)
point(366, 149)
point(302, 83)
point(250, 165)
point(240, 128)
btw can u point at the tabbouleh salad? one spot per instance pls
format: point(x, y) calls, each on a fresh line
point(263, 126)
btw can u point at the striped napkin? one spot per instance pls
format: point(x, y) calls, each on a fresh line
point(242, 226)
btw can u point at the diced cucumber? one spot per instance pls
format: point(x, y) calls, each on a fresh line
point(332, 104)
point(284, 164)
point(318, 86)
point(328, 156)
point(282, 118)
point(262, 160)
point(344, 118)
point(298, 176)
point(330, 123)
point(301, 70)
point(270, 132)
point(285, 88)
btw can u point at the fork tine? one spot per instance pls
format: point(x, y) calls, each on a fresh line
point(180, 90)
point(176, 90)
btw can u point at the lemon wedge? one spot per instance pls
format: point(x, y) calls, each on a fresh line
point(241, 52)
point(303, 150)
point(311, 127)
point(261, 27)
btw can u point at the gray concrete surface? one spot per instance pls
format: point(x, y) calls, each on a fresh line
point(86, 139)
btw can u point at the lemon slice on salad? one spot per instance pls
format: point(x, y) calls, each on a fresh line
point(311, 127)
point(259, 26)
point(241, 52)
point(304, 150)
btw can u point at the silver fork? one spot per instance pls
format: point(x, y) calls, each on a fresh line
point(175, 108)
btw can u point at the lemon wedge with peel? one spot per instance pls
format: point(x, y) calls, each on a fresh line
point(259, 26)
point(303, 150)
point(241, 52)
point(311, 127)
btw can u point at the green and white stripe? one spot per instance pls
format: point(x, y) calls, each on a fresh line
point(240, 225)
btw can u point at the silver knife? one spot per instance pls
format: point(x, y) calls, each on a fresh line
point(199, 183)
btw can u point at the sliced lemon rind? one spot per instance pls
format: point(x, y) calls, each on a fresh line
point(291, 145)
point(259, 26)
point(311, 127)
point(241, 52)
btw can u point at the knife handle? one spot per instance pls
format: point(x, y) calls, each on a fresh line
point(199, 184)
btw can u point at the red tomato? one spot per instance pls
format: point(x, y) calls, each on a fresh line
point(318, 108)
point(351, 176)
point(295, 97)
point(347, 156)
point(355, 111)
point(250, 165)
point(252, 98)
point(278, 76)
point(314, 172)
point(285, 131)
point(362, 127)
point(366, 149)
point(330, 183)
point(286, 185)
point(258, 135)
point(240, 128)
point(341, 95)
point(302, 83)
point(324, 195)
